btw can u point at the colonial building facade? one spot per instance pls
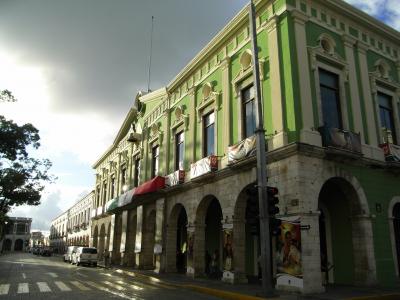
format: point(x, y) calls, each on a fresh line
point(17, 234)
point(72, 227)
point(174, 191)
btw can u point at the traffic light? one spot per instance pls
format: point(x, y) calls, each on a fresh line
point(273, 200)
point(275, 226)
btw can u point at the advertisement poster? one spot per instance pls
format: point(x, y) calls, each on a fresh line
point(288, 254)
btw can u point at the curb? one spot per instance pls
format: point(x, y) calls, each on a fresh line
point(377, 297)
point(200, 289)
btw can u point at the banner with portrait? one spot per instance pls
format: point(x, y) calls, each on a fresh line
point(288, 254)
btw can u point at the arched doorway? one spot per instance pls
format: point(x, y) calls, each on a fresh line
point(343, 230)
point(7, 245)
point(208, 241)
point(19, 245)
point(177, 239)
point(396, 229)
point(247, 236)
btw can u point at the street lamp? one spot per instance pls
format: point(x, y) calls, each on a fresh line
point(265, 239)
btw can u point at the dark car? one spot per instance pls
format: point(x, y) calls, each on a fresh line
point(46, 251)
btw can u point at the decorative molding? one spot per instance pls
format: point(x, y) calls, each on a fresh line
point(155, 134)
point(181, 119)
point(333, 58)
point(208, 97)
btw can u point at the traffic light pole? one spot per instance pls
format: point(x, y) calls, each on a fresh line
point(265, 238)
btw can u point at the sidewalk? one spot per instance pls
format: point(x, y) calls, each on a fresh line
point(253, 291)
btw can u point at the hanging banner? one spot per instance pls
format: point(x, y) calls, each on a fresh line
point(175, 178)
point(204, 166)
point(288, 254)
point(244, 149)
point(392, 152)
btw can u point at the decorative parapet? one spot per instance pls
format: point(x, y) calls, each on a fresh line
point(175, 178)
point(204, 166)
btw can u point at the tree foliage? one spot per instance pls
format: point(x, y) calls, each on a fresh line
point(7, 96)
point(22, 177)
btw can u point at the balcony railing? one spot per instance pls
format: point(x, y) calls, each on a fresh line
point(340, 139)
point(242, 150)
point(203, 166)
point(175, 178)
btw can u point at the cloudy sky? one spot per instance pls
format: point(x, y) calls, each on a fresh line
point(76, 65)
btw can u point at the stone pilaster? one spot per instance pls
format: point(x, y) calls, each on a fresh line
point(226, 103)
point(192, 125)
point(111, 235)
point(159, 250)
point(280, 138)
point(308, 134)
point(138, 240)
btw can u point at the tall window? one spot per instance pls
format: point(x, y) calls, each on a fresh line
point(98, 197)
point(104, 193)
point(155, 154)
point(248, 111)
point(137, 172)
point(396, 227)
point(331, 112)
point(179, 150)
point(123, 177)
point(112, 187)
point(208, 134)
point(386, 114)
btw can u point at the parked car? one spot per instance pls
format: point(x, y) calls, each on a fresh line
point(36, 250)
point(85, 255)
point(68, 254)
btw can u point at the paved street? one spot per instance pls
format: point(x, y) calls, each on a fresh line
point(27, 276)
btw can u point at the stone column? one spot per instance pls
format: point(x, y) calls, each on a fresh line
point(239, 251)
point(228, 265)
point(191, 250)
point(280, 138)
point(138, 239)
point(308, 134)
point(311, 254)
point(353, 84)
point(159, 252)
point(166, 140)
point(364, 253)
point(111, 241)
point(122, 246)
point(199, 250)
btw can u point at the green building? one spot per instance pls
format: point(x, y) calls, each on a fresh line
point(174, 191)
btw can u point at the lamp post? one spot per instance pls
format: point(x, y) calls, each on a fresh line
point(265, 239)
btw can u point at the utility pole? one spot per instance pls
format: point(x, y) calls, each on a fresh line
point(265, 238)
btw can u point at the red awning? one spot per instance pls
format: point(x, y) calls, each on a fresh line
point(150, 186)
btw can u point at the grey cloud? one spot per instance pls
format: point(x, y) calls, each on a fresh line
point(96, 52)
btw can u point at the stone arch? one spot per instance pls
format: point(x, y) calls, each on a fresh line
point(245, 243)
point(148, 236)
point(203, 239)
point(395, 240)
point(344, 199)
point(172, 236)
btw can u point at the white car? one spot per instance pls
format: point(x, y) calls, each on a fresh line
point(85, 255)
point(68, 254)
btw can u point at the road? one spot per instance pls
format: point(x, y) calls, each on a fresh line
point(27, 276)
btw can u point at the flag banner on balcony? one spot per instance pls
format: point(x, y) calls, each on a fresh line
point(288, 254)
point(126, 198)
point(241, 150)
point(392, 152)
point(175, 178)
point(204, 166)
point(153, 185)
point(112, 204)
